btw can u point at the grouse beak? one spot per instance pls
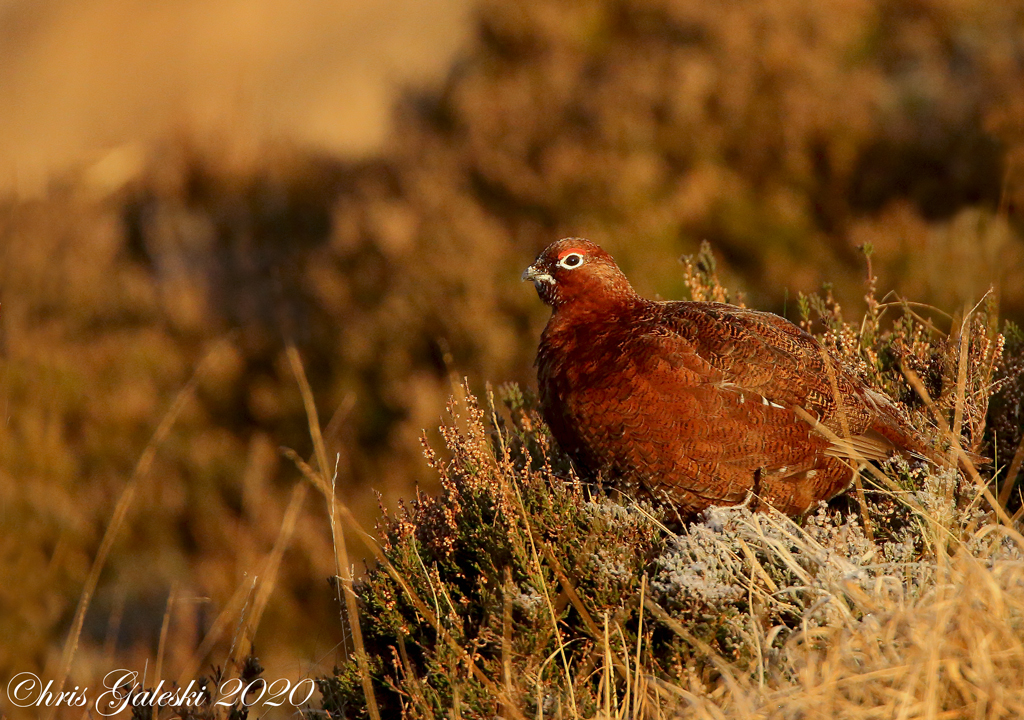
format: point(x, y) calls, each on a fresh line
point(537, 276)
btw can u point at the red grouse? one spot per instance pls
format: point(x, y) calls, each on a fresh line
point(698, 403)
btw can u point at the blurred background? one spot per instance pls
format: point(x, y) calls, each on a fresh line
point(184, 186)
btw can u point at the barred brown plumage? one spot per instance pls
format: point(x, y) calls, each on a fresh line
point(698, 403)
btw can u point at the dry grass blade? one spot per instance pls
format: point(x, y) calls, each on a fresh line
point(117, 519)
point(342, 565)
point(1011, 475)
point(961, 378)
point(162, 643)
point(845, 425)
point(547, 599)
point(675, 626)
point(570, 591)
point(233, 609)
point(574, 598)
point(339, 512)
point(268, 578)
point(639, 646)
point(963, 457)
point(506, 633)
point(878, 474)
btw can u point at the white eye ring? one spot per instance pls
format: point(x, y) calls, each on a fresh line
point(571, 261)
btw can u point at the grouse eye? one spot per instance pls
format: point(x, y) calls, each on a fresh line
point(571, 260)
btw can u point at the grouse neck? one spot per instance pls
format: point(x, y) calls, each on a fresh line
point(599, 310)
point(601, 288)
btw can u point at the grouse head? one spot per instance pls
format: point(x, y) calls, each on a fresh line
point(574, 271)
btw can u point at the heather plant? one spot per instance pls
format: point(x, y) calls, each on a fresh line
point(523, 590)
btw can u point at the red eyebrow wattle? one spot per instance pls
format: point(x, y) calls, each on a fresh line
point(570, 251)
